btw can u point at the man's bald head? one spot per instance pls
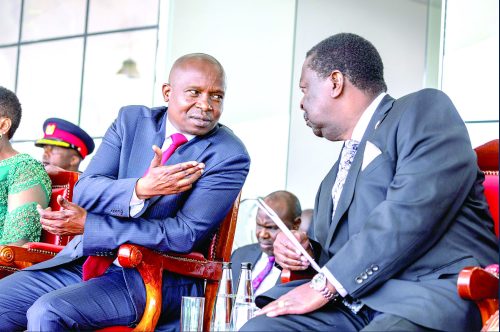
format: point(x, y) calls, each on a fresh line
point(193, 58)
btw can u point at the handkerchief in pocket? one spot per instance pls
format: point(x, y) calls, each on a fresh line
point(371, 152)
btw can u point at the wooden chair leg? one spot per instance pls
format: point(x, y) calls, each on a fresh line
point(152, 276)
point(211, 288)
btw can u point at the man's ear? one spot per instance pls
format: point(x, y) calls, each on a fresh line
point(296, 223)
point(75, 161)
point(165, 90)
point(337, 79)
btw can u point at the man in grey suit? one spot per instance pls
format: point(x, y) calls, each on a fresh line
point(169, 199)
point(395, 219)
point(264, 273)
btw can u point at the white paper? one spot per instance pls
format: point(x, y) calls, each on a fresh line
point(270, 212)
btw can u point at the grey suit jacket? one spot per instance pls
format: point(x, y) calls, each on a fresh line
point(408, 222)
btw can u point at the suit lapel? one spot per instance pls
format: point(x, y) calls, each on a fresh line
point(326, 203)
point(350, 182)
point(142, 153)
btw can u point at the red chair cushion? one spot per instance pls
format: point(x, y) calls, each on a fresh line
point(491, 193)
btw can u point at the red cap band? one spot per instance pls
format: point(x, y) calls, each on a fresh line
point(70, 138)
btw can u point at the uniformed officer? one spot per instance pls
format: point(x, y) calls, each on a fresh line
point(65, 144)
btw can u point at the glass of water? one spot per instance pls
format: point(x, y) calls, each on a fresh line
point(192, 309)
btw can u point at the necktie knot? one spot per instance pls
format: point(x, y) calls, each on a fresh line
point(178, 139)
point(351, 145)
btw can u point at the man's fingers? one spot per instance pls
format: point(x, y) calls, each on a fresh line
point(156, 161)
point(64, 203)
point(276, 308)
point(51, 215)
point(289, 250)
point(39, 207)
point(181, 167)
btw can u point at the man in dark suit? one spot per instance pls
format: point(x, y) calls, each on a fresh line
point(265, 275)
point(128, 194)
point(395, 219)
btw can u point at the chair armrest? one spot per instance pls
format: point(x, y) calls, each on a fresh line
point(474, 283)
point(19, 257)
point(193, 264)
point(480, 286)
point(151, 264)
point(41, 246)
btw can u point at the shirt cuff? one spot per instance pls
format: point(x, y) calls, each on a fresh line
point(136, 204)
point(338, 286)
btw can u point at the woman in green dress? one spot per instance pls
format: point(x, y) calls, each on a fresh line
point(23, 181)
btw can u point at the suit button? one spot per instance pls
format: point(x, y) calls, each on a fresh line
point(369, 272)
point(374, 268)
point(358, 280)
point(364, 276)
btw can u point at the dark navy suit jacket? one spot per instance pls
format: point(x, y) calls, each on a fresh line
point(176, 223)
point(412, 218)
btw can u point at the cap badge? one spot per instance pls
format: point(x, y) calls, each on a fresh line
point(49, 130)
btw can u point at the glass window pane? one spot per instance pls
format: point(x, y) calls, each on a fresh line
point(481, 133)
point(471, 55)
point(53, 18)
point(49, 84)
point(104, 90)
point(8, 57)
point(28, 147)
point(120, 14)
point(9, 23)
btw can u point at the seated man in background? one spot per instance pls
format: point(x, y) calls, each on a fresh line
point(265, 275)
point(64, 144)
point(170, 200)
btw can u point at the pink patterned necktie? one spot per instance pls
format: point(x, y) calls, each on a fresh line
point(263, 274)
point(95, 266)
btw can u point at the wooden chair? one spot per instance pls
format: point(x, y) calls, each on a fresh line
point(152, 264)
point(475, 283)
point(14, 258)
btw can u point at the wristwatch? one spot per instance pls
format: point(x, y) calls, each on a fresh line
point(318, 283)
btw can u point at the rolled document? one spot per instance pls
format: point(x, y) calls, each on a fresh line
point(270, 212)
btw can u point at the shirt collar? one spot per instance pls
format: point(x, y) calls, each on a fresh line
point(364, 120)
point(170, 129)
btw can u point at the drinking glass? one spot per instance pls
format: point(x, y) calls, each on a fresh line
point(242, 312)
point(192, 309)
